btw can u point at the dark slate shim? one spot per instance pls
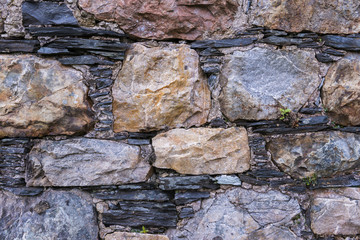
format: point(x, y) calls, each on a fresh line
point(211, 69)
point(13, 46)
point(186, 212)
point(71, 32)
point(350, 129)
point(281, 41)
point(210, 60)
point(252, 180)
point(53, 51)
point(211, 52)
point(307, 35)
point(188, 197)
point(47, 13)
point(133, 141)
point(88, 44)
point(341, 181)
point(345, 43)
point(334, 52)
point(103, 83)
point(99, 94)
point(314, 120)
point(112, 55)
point(218, 122)
point(136, 214)
point(271, 32)
point(136, 195)
point(187, 183)
point(310, 110)
point(324, 58)
point(297, 188)
point(25, 191)
point(142, 135)
point(101, 71)
point(286, 130)
point(212, 80)
point(267, 173)
point(84, 60)
point(309, 44)
point(224, 43)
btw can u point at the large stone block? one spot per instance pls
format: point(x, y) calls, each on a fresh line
point(85, 162)
point(321, 16)
point(41, 97)
point(257, 82)
point(51, 215)
point(203, 150)
point(134, 236)
point(159, 88)
point(11, 18)
point(341, 91)
point(237, 214)
point(182, 19)
point(336, 212)
point(323, 154)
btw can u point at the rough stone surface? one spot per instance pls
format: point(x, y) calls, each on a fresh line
point(40, 97)
point(52, 215)
point(250, 92)
point(11, 18)
point(228, 180)
point(83, 162)
point(336, 212)
point(236, 214)
point(187, 182)
point(341, 91)
point(273, 233)
point(158, 88)
point(323, 154)
point(134, 236)
point(321, 16)
point(196, 151)
point(184, 19)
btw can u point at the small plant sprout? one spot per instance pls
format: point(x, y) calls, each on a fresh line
point(144, 230)
point(310, 181)
point(284, 113)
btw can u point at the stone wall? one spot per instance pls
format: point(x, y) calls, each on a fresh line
point(180, 119)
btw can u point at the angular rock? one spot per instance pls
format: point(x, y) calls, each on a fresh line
point(51, 215)
point(237, 213)
point(323, 153)
point(137, 195)
point(134, 236)
point(341, 91)
point(41, 97)
point(323, 57)
point(183, 19)
point(250, 92)
point(187, 183)
point(159, 88)
point(182, 198)
point(13, 46)
point(47, 13)
point(322, 16)
point(282, 41)
point(196, 151)
point(273, 233)
point(135, 214)
point(11, 18)
point(223, 43)
point(336, 212)
point(85, 162)
point(24, 191)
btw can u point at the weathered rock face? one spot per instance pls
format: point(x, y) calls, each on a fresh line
point(341, 91)
point(250, 92)
point(11, 18)
point(184, 19)
point(203, 150)
point(40, 97)
point(85, 162)
point(236, 214)
point(52, 215)
point(134, 236)
point(336, 212)
point(322, 16)
point(159, 88)
point(323, 154)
